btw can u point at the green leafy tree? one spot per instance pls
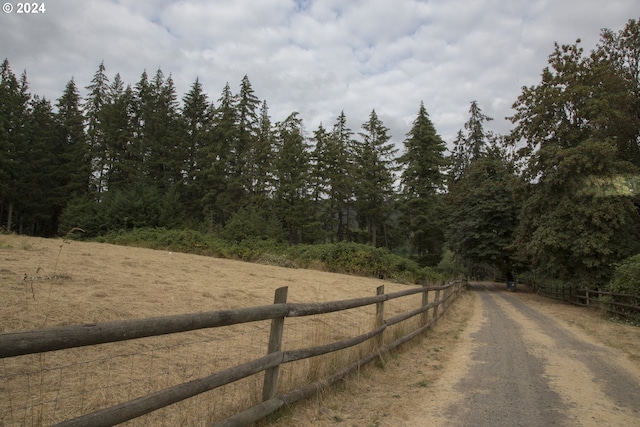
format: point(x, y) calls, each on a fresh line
point(482, 214)
point(423, 182)
point(618, 59)
point(374, 172)
point(626, 277)
point(569, 229)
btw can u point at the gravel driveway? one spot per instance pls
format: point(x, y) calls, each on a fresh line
point(518, 367)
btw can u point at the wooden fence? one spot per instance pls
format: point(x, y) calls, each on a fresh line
point(616, 304)
point(15, 344)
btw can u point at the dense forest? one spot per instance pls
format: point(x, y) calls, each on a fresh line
point(558, 195)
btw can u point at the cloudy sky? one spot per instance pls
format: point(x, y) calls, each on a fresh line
point(317, 57)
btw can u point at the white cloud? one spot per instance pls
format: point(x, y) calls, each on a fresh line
point(317, 57)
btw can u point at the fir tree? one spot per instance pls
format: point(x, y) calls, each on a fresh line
point(422, 182)
point(14, 105)
point(38, 206)
point(197, 118)
point(338, 166)
point(72, 173)
point(291, 171)
point(93, 108)
point(261, 159)
point(374, 165)
point(219, 203)
point(471, 145)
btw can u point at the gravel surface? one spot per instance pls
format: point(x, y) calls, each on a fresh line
point(519, 367)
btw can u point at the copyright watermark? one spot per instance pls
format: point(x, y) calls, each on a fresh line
point(24, 8)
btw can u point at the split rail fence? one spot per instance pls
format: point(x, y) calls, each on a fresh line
point(613, 303)
point(16, 344)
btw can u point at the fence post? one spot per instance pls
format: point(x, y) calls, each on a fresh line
point(436, 300)
point(380, 316)
point(445, 294)
point(425, 302)
point(270, 386)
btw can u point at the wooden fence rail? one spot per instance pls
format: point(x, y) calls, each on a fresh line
point(14, 344)
point(617, 304)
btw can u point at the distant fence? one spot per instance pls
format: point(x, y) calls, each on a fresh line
point(16, 344)
point(616, 304)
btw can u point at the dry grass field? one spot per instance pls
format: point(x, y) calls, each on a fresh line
point(49, 282)
point(52, 282)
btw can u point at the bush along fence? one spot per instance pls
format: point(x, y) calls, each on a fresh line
point(16, 344)
point(613, 303)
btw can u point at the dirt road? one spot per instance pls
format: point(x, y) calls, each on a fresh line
point(520, 367)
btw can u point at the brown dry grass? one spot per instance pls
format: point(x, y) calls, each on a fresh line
point(72, 283)
point(50, 282)
point(387, 392)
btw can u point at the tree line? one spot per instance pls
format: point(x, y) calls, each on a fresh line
point(557, 195)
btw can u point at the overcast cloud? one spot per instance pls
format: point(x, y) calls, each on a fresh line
point(316, 57)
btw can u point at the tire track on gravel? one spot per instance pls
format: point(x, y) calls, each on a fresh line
point(505, 384)
point(597, 384)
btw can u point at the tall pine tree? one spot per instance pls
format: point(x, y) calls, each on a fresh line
point(14, 106)
point(73, 169)
point(374, 172)
point(291, 200)
point(423, 182)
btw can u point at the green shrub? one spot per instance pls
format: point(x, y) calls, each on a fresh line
point(250, 224)
point(82, 213)
point(626, 277)
point(343, 257)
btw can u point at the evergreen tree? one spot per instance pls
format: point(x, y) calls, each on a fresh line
point(163, 150)
point(197, 117)
point(122, 159)
point(422, 184)
point(337, 162)
point(14, 104)
point(472, 145)
point(319, 186)
point(219, 203)
point(375, 168)
point(291, 201)
point(37, 207)
point(248, 127)
point(261, 159)
point(95, 101)
point(72, 173)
